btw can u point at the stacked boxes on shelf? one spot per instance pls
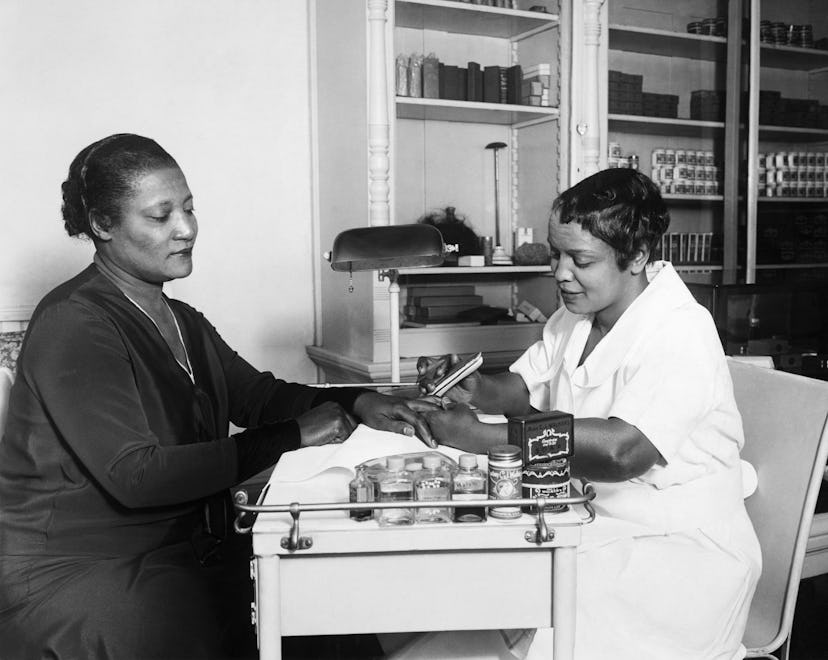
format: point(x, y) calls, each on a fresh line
point(774, 109)
point(707, 105)
point(536, 82)
point(439, 304)
point(801, 238)
point(686, 172)
point(793, 174)
point(625, 93)
point(777, 110)
point(626, 97)
point(659, 105)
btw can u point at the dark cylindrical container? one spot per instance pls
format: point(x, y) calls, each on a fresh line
point(487, 249)
point(547, 480)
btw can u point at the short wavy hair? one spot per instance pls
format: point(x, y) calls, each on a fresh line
point(102, 176)
point(621, 206)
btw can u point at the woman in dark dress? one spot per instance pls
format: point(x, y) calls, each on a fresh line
point(116, 462)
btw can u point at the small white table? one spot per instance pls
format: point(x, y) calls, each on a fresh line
point(350, 577)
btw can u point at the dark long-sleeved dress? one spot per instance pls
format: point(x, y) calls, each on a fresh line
point(109, 456)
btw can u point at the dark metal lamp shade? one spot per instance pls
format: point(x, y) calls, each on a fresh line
point(387, 247)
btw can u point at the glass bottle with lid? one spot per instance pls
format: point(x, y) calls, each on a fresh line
point(469, 484)
point(395, 486)
point(432, 483)
point(361, 490)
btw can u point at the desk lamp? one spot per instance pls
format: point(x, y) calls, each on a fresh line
point(386, 249)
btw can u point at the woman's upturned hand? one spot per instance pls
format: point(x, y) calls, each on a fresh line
point(431, 369)
point(393, 413)
point(324, 424)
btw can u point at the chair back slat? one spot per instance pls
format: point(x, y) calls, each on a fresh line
point(6, 380)
point(785, 418)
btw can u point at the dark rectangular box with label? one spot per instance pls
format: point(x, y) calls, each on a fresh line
point(544, 437)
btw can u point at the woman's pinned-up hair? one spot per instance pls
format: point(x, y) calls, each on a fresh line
point(102, 176)
point(621, 206)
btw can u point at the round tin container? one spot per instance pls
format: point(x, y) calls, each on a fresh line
point(505, 467)
point(547, 480)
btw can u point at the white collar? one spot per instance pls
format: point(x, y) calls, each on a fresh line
point(643, 317)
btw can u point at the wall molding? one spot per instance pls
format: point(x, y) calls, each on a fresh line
point(20, 313)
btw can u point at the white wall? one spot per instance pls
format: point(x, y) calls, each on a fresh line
point(223, 86)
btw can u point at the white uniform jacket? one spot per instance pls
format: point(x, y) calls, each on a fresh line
point(669, 566)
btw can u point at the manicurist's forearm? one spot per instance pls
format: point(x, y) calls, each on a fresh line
point(610, 450)
point(503, 393)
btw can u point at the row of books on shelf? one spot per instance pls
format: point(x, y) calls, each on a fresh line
point(419, 76)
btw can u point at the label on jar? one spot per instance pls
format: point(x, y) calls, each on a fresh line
point(504, 484)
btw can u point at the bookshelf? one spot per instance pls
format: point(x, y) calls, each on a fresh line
point(384, 158)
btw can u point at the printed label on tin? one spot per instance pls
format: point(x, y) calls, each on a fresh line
point(544, 437)
point(549, 493)
point(547, 444)
point(545, 474)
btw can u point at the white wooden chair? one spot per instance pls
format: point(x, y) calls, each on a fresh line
point(785, 417)
point(6, 380)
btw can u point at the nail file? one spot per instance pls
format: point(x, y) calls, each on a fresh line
point(457, 373)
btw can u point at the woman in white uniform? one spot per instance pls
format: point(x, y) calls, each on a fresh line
point(668, 568)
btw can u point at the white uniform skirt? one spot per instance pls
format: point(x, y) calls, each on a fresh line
point(678, 595)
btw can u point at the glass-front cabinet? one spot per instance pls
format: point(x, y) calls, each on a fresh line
point(667, 82)
point(784, 220)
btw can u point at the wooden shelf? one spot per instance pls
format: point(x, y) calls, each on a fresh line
point(472, 111)
point(666, 43)
point(792, 57)
point(695, 268)
point(770, 133)
point(793, 200)
point(462, 18)
point(480, 270)
point(790, 266)
point(500, 337)
point(693, 199)
point(664, 126)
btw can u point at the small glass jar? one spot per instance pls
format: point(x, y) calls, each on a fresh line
point(505, 471)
